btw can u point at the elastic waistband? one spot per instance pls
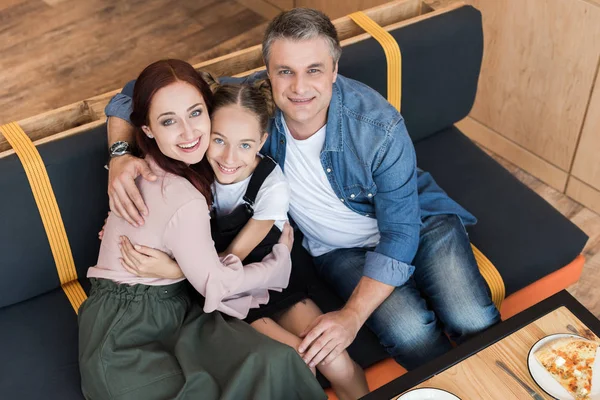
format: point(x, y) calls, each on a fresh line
point(134, 291)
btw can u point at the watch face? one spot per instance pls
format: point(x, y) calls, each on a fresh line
point(119, 148)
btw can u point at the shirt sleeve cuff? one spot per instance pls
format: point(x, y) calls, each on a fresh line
point(119, 106)
point(386, 269)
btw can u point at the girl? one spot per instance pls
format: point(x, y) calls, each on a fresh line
point(147, 338)
point(251, 199)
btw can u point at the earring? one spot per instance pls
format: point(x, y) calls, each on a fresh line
point(147, 132)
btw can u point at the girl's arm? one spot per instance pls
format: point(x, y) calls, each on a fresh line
point(151, 263)
point(249, 237)
point(272, 203)
point(227, 286)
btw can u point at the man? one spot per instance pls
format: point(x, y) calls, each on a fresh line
point(382, 233)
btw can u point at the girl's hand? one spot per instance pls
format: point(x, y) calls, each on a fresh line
point(287, 236)
point(148, 262)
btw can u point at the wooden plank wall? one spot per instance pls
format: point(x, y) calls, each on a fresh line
point(538, 101)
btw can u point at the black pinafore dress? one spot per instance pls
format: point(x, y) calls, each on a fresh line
point(225, 228)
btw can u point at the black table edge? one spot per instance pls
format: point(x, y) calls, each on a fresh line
point(483, 340)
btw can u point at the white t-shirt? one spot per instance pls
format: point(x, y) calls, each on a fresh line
point(326, 222)
point(272, 199)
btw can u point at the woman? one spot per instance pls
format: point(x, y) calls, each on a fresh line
point(251, 200)
point(147, 338)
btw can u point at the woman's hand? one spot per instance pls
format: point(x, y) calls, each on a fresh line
point(287, 236)
point(148, 262)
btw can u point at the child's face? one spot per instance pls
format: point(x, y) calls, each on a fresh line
point(179, 122)
point(235, 139)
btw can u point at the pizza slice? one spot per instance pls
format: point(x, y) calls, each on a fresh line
point(570, 361)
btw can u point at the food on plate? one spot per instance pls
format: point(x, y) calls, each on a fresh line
point(570, 361)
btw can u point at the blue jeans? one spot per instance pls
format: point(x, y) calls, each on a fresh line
point(446, 293)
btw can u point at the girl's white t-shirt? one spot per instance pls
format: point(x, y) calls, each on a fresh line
point(272, 200)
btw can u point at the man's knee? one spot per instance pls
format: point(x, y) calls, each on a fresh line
point(404, 322)
point(470, 320)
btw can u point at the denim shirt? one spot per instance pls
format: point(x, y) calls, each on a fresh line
point(370, 162)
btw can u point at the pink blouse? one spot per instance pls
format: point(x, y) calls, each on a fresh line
point(178, 224)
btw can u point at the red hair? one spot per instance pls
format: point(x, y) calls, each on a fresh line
point(154, 77)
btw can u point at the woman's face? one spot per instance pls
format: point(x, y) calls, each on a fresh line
point(235, 139)
point(179, 122)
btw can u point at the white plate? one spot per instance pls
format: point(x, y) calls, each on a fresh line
point(427, 394)
point(551, 385)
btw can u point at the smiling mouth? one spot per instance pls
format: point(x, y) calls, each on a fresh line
point(228, 171)
point(191, 146)
point(301, 101)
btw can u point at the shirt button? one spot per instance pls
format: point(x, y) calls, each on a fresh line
point(282, 141)
point(366, 215)
point(351, 196)
point(342, 200)
point(328, 170)
point(370, 195)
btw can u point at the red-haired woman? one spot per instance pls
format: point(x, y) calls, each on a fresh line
point(149, 338)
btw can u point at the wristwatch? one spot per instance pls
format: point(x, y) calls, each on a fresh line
point(119, 148)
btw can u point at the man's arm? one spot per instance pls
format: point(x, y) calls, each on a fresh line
point(388, 266)
point(125, 199)
point(119, 130)
point(118, 111)
point(330, 334)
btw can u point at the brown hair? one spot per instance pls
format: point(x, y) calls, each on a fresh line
point(256, 98)
point(301, 24)
point(154, 77)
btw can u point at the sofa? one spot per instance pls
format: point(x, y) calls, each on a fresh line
point(533, 247)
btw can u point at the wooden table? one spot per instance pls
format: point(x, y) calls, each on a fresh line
point(469, 371)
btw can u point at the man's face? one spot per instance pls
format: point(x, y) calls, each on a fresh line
point(302, 74)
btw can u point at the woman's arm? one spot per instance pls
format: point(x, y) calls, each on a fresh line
point(249, 237)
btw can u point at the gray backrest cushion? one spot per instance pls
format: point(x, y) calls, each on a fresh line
point(441, 60)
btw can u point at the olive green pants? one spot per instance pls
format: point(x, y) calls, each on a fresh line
point(155, 342)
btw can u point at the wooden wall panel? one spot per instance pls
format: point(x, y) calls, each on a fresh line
point(540, 59)
point(587, 159)
point(586, 195)
point(335, 9)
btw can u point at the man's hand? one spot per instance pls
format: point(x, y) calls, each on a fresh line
point(124, 197)
point(328, 336)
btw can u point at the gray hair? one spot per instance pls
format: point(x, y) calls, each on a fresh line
point(301, 24)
